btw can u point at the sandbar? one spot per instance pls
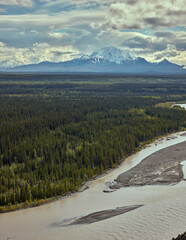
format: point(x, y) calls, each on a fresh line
point(96, 216)
point(160, 168)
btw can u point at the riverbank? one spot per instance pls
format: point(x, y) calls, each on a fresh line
point(84, 186)
point(160, 203)
point(161, 167)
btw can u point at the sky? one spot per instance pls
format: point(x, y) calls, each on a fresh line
point(32, 31)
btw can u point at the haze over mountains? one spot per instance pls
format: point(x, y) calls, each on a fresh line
point(105, 60)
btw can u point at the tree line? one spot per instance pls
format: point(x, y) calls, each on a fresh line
point(50, 146)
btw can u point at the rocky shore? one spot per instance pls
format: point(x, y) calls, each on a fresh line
point(162, 167)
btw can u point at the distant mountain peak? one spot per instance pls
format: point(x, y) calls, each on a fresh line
point(165, 61)
point(113, 54)
point(84, 57)
point(105, 60)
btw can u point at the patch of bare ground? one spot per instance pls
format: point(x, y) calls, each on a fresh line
point(96, 216)
point(183, 134)
point(161, 167)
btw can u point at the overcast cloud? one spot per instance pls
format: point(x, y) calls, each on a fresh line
point(32, 31)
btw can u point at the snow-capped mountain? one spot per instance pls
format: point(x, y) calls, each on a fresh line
point(113, 54)
point(109, 54)
point(105, 60)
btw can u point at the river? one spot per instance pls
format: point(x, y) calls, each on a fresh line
point(161, 217)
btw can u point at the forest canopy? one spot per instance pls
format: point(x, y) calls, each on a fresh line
point(55, 136)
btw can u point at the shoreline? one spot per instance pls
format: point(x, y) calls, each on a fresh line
point(85, 185)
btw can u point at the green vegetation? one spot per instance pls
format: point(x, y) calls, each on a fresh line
point(55, 136)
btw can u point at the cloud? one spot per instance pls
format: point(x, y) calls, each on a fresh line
point(160, 41)
point(178, 13)
point(175, 39)
point(164, 34)
point(70, 27)
point(58, 53)
point(166, 55)
point(57, 21)
point(150, 44)
point(58, 29)
point(144, 13)
point(2, 44)
point(162, 44)
point(155, 22)
point(11, 56)
point(21, 3)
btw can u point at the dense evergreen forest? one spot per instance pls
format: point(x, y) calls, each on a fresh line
point(56, 135)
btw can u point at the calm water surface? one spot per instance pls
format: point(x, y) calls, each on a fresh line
point(162, 216)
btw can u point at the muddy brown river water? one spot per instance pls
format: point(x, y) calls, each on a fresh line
point(162, 215)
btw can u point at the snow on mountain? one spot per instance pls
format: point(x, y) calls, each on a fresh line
point(105, 60)
point(113, 54)
point(90, 59)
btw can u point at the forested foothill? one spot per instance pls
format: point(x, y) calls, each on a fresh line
point(58, 131)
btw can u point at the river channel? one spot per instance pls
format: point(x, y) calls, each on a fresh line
point(162, 215)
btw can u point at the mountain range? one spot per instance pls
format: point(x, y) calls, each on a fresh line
point(105, 60)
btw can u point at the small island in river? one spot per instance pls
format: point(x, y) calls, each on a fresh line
point(161, 167)
point(96, 216)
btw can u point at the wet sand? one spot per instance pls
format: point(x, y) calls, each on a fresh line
point(96, 216)
point(161, 167)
